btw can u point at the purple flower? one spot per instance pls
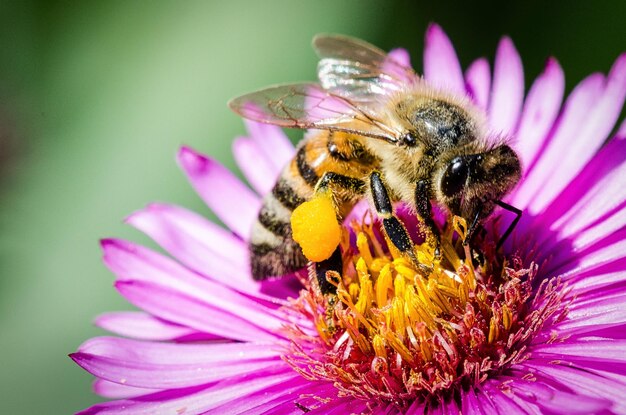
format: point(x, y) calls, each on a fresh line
point(541, 329)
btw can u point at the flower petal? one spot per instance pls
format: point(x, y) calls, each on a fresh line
point(540, 110)
point(134, 263)
point(502, 403)
point(277, 399)
point(178, 353)
point(259, 172)
point(608, 254)
point(201, 245)
point(570, 121)
point(196, 399)
point(233, 202)
point(508, 89)
point(179, 308)
point(553, 400)
point(441, 65)
point(581, 147)
point(591, 205)
point(478, 82)
point(342, 406)
point(605, 351)
point(585, 285)
point(143, 326)
point(484, 404)
point(163, 366)
point(401, 56)
point(601, 314)
point(272, 143)
point(417, 408)
point(114, 390)
point(583, 381)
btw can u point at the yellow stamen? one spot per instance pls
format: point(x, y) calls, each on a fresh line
point(379, 346)
point(383, 285)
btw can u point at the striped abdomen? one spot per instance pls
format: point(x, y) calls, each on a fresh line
point(273, 252)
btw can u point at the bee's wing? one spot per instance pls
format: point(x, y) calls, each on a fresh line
point(359, 71)
point(309, 106)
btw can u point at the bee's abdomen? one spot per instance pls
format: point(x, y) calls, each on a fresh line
point(273, 252)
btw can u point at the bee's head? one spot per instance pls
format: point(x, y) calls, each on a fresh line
point(474, 181)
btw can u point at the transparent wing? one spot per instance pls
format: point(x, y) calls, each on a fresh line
point(309, 106)
point(357, 70)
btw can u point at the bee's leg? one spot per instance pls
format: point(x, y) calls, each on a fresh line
point(334, 263)
point(393, 227)
point(473, 226)
point(337, 184)
point(508, 231)
point(424, 210)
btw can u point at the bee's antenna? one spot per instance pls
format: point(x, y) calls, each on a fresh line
point(518, 216)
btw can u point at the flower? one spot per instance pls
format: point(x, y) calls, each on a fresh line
point(541, 328)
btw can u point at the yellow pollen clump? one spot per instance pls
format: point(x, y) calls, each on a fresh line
point(315, 227)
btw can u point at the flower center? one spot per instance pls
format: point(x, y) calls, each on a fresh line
point(398, 331)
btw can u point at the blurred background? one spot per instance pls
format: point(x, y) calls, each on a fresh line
point(96, 98)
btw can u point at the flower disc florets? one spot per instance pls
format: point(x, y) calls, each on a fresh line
point(398, 331)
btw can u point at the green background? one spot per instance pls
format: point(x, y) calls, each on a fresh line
point(96, 97)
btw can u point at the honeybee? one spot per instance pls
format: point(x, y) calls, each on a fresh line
point(377, 131)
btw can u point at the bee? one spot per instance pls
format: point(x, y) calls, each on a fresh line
point(379, 131)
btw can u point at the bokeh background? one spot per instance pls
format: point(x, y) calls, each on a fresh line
point(96, 97)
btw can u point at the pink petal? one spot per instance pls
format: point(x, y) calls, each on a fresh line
point(184, 310)
point(503, 403)
point(441, 65)
point(114, 390)
point(398, 66)
point(508, 89)
point(553, 400)
point(591, 205)
point(571, 120)
point(587, 140)
point(199, 244)
point(484, 404)
point(568, 260)
point(277, 399)
point(588, 284)
point(582, 381)
point(341, 407)
point(540, 110)
point(259, 171)
point(196, 399)
point(178, 353)
point(400, 56)
point(469, 403)
point(478, 82)
point(163, 365)
point(233, 202)
point(144, 326)
point(602, 314)
point(417, 408)
point(449, 407)
point(606, 351)
point(272, 143)
point(131, 262)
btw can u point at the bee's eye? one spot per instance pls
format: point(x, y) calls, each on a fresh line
point(455, 176)
point(409, 139)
